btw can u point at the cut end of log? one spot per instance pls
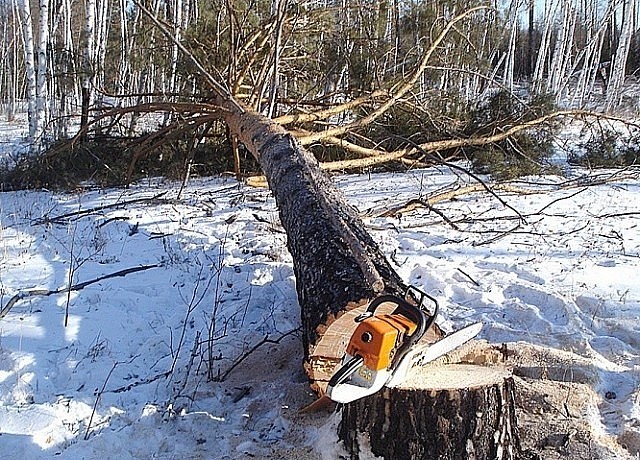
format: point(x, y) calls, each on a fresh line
point(334, 335)
point(327, 353)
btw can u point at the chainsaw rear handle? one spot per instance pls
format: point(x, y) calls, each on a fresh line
point(346, 371)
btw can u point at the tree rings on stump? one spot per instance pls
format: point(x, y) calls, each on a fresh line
point(456, 411)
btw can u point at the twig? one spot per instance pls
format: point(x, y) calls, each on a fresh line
point(72, 271)
point(76, 287)
point(217, 85)
point(194, 353)
point(83, 212)
point(618, 214)
point(95, 404)
point(514, 230)
point(140, 382)
point(441, 214)
point(468, 276)
point(253, 349)
point(497, 237)
point(561, 199)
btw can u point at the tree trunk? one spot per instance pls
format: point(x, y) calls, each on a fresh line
point(336, 262)
point(42, 65)
point(30, 67)
point(88, 62)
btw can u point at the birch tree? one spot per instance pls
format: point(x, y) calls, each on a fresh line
point(619, 64)
point(42, 67)
point(561, 62)
point(11, 64)
point(30, 69)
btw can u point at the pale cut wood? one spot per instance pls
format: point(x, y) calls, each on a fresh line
point(454, 377)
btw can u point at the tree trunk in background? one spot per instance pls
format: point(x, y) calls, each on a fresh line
point(42, 65)
point(13, 77)
point(88, 64)
point(338, 265)
point(544, 51)
point(30, 67)
point(619, 64)
point(530, 48)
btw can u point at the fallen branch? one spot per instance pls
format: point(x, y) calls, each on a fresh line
point(76, 287)
point(140, 382)
point(84, 212)
point(416, 203)
point(98, 396)
point(184, 108)
point(327, 113)
point(375, 157)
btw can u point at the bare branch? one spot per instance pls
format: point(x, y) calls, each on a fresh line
point(398, 93)
point(330, 112)
point(84, 212)
point(76, 287)
point(377, 157)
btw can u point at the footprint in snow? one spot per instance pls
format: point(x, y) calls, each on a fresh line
point(551, 307)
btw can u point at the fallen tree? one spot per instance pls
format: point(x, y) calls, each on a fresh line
point(339, 267)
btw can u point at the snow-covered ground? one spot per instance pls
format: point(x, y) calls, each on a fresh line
point(197, 354)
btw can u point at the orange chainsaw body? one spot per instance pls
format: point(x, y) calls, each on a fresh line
point(377, 337)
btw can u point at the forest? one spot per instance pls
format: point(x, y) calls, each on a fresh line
point(144, 70)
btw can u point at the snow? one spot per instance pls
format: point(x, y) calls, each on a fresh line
point(158, 363)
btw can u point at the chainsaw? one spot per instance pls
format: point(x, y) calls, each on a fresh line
point(384, 347)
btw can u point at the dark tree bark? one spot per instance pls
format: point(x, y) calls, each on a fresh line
point(339, 266)
point(335, 260)
point(84, 113)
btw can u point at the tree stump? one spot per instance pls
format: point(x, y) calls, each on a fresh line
point(458, 411)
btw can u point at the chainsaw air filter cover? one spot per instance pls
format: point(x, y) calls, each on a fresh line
point(377, 337)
